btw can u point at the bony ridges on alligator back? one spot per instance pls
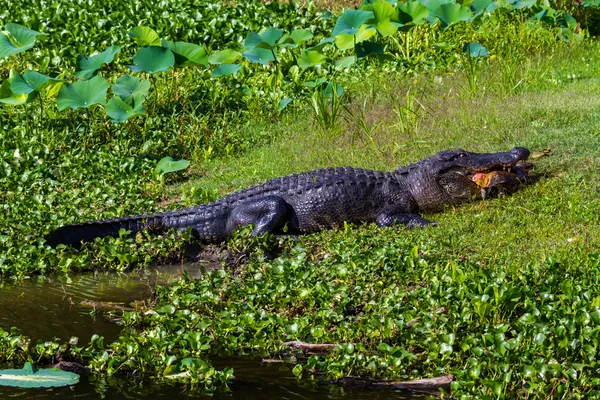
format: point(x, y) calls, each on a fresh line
point(326, 198)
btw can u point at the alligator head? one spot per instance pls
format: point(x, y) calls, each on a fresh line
point(456, 176)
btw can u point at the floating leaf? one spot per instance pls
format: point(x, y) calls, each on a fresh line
point(145, 36)
point(294, 39)
point(16, 39)
point(350, 22)
point(224, 57)
point(87, 66)
point(475, 50)
point(225, 69)
point(452, 13)
point(187, 53)
point(31, 81)
point(152, 60)
point(120, 111)
point(28, 378)
point(83, 94)
point(127, 87)
point(168, 164)
point(310, 58)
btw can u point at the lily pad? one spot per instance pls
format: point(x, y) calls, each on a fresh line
point(31, 81)
point(260, 55)
point(120, 111)
point(225, 69)
point(83, 94)
point(87, 66)
point(294, 39)
point(145, 36)
point(153, 59)
point(386, 17)
point(187, 53)
point(16, 39)
point(127, 87)
point(7, 96)
point(224, 57)
point(28, 378)
point(475, 50)
point(452, 13)
point(412, 12)
point(266, 40)
point(310, 59)
point(350, 22)
point(169, 164)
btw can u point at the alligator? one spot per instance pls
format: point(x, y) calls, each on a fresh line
point(327, 198)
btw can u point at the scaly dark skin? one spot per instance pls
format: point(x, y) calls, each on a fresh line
point(323, 199)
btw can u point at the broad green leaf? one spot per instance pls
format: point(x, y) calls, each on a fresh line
point(322, 44)
point(316, 82)
point(386, 17)
point(480, 6)
point(187, 53)
point(412, 12)
point(120, 111)
point(87, 66)
point(284, 103)
point(350, 22)
point(152, 60)
point(310, 58)
point(16, 39)
point(225, 69)
point(452, 13)
point(345, 42)
point(433, 5)
point(7, 96)
point(259, 55)
point(145, 36)
point(31, 81)
point(168, 164)
point(28, 378)
point(127, 87)
point(266, 40)
point(345, 62)
point(294, 39)
point(475, 50)
point(519, 4)
point(83, 94)
point(224, 57)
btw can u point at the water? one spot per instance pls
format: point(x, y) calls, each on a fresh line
point(62, 308)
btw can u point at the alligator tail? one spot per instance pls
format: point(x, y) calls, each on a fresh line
point(73, 235)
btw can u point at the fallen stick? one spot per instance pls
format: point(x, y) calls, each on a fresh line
point(311, 348)
point(428, 385)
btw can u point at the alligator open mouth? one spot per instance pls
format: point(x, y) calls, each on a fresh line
point(502, 179)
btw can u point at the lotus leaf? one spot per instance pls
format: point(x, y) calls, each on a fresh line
point(345, 62)
point(145, 36)
point(310, 58)
point(28, 378)
point(259, 55)
point(294, 39)
point(386, 17)
point(187, 53)
point(31, 81)
point(16, 39)
point(224, 57)
point(345, 42)
point(7, 96)
point(87, 66)
point(83, 94)
point(153, 59)
point(127, 87)
point(225, 69)
point(266, 40)
point(452, 13)
point(475, 50)
point(120, 111)
point(412, 12)
point(350, 22)
point(168, 164)
point(284, 103)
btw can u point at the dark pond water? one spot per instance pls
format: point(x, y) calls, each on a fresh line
point(54, 309)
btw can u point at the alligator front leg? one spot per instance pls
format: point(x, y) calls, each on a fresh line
point(267, 213)
point(389, 219)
